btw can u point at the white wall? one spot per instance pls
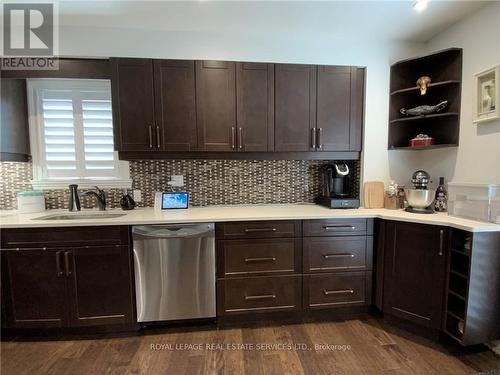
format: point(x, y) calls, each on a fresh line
point(273, 44)
point(477, 159)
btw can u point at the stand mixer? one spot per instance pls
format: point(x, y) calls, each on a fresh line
point(420, 199)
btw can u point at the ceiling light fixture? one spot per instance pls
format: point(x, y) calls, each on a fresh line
point(420, 5)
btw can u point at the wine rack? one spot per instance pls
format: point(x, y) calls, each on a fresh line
point(458, 284)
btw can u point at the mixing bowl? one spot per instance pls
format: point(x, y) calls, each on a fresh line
point(419, 198)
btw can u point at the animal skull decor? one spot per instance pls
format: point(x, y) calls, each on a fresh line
point(422, 83)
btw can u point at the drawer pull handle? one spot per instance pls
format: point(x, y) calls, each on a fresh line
point(335, 227)
point(261, 296)
point(253, 230)
point(263, 259)
point(328, 256)
point(333, 292)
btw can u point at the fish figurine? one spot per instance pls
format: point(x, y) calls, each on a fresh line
point(424, 109)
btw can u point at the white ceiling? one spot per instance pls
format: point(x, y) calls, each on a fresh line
point(387, 20)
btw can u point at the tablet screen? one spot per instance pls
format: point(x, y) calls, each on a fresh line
point(174, 200)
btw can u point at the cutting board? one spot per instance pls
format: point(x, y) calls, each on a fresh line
point(373, 194)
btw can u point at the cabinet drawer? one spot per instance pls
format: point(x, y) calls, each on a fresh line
point(258, 294)
point(64, 237)
point(322, 254)
point(335, 290)
point(258, 229)
point(258, 256)
point(335, 227)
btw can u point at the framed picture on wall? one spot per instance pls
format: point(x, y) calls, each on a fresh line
point(487, 94)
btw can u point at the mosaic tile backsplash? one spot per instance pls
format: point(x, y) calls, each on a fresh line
point(210, 182)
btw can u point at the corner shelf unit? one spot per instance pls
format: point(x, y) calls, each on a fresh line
point(445, 70)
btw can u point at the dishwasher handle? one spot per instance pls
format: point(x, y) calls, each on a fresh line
point(173, 231)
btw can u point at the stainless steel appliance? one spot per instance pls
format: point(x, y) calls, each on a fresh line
point(174, 271)
point(337, 189)
point(420, 199)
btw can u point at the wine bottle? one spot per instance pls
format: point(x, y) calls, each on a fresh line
point(441, 201)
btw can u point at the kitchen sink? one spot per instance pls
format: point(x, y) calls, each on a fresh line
point(79, 216)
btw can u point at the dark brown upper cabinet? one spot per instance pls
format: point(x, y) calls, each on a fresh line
point(339, 108)
point(175, 105)
point(414, 272)
point(216, 105)
point(319, 108)
point(295, 107)
point(255, 106)
point(133, 104)
point(15, 144)
point(210, 108)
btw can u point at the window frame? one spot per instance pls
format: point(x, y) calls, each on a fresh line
point(36, 133)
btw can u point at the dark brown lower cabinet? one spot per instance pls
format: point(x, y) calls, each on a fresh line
point(99, 286)
point(66, 286)
point(259, 294)
point(414, 272)
point(272, 268)
point(33, 289)
point(341, 289)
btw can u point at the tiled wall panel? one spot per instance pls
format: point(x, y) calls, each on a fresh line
point(210, 182)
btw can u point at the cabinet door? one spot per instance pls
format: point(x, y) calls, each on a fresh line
point(414, 272)
point(255, 106)
point(175, 105)
point(216, 105)
point(15, 143)
point(33, 287)
point(295, 107)
point(99, 285)
point(334, 108)
point(357, 108)
point(133, 106)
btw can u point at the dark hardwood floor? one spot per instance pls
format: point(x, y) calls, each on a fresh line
point(367, 346)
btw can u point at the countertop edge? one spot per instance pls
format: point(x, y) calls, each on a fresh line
point(144, 216)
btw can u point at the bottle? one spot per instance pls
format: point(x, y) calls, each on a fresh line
point(74, 199)
point(441, 201)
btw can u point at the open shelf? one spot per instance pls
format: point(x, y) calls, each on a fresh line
point(432, 85)
point(464, 276)
point(445, 70)
point(423, 147)
point(425, 117)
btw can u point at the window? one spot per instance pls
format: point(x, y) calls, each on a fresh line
point(71, 134)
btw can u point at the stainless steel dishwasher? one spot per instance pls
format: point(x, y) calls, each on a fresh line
point(174, 271)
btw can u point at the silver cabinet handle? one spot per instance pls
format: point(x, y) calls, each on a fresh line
point(346, 255)
point(336, 227)
point(262, 259)
point(333, 292)
point(441, 242)
point(59, 271)
point(320, 146)
point(158, 143)
point(313, 138)
point(240, 138)
point(66, 263)
point(261, 296)
point(254, 230)
point(150, 136)
point(233, 137)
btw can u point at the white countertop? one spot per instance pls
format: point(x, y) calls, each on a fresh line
point(11, 219)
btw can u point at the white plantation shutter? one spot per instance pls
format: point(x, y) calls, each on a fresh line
point(74, 126)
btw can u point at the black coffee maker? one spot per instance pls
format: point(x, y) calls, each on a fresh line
point(337, 187)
